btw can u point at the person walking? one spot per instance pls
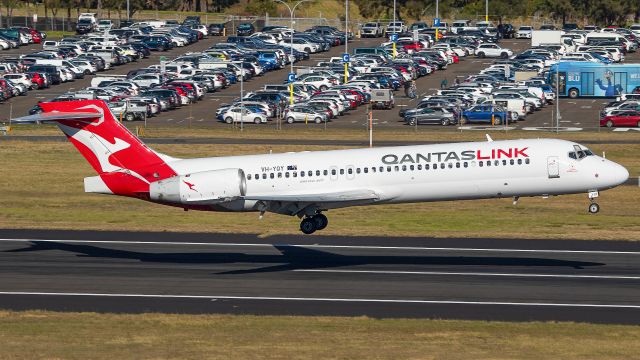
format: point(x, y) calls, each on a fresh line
point(443, 84)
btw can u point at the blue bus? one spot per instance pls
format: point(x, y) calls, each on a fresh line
point(589, 79)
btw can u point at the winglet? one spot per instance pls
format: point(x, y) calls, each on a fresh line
point(489, 139)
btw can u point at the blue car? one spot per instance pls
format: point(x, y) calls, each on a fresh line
point(484, 113)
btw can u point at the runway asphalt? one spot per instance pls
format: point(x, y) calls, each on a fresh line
point(488, 279)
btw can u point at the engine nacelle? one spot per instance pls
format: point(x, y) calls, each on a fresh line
point(206, 187)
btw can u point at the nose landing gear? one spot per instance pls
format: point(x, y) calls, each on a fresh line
point(310, 224)
point(593, 207)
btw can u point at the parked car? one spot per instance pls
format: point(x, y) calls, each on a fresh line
point(626, 118)
point(245, 29)
point(429, 116)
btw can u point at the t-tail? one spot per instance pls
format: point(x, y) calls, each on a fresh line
point(125, 165)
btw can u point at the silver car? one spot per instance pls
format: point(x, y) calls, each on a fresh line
point(301, 113)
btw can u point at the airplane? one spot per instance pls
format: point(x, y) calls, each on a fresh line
point(307, 184)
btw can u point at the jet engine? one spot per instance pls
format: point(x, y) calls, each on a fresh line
point(206, 187)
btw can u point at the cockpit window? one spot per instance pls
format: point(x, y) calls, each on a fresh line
point(579, 153)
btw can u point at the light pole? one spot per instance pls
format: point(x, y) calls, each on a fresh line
point(291, 11)
point(128, 12)
point(346, 41)
point(486, 10)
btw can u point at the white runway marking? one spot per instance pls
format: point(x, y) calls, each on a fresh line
point(382, 272)
point(277, 298)
point(318, 246)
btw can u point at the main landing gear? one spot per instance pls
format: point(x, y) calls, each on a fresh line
point(310, 224)
point(593, 207)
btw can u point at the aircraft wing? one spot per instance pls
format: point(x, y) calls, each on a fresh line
point(55, 116)
point(339, 196)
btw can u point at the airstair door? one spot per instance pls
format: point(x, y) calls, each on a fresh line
point(553, 167)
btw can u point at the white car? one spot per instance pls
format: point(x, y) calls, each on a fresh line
point(302, 45)
point(321, 82)
point(492, 50)
point(85, 66)
point(20, 79)
point(395, 27)
point(237, 114)
point(104, 25)
point(524, 32)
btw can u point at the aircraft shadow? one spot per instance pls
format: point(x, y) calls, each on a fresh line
point(298, 257)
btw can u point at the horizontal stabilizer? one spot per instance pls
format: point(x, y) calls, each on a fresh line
point(56, 116)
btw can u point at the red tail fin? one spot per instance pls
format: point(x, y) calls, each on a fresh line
point(125, 164)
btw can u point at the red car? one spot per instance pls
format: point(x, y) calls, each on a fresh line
point(627, 118)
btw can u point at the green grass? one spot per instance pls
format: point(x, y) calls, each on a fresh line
point(28, 335)
point(42, 187)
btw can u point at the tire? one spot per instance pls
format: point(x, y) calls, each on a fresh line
point(87, 72)
point(574, 93)
point(594, 208)
point(290, 120)
point(228, 120)
point(307, 50)
point(465, 120)
point(610, 123)
point(308, 226)
point(320, 221)
point(317, 120)
point(504, 55)
point(412, 122)
point(445, 122)
point(129, 117)
point(481, 55)
point(257, 120)
point(323, 88)
point(497, 120)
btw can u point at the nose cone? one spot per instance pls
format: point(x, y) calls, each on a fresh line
point(616, 174)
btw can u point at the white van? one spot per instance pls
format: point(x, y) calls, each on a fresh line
point(516, 107)
point(459, 25)
point(77, 72)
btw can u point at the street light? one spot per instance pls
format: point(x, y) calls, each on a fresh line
point(346, 41)
point(291, 11)
point(486, 10)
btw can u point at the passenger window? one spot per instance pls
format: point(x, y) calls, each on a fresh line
point(442, 166)
point(279, 175)
point(257, 176)
point(317, 172)
point(411, 167)
point(419, 167)
point(450, 165)
point(488, 162)
point(366, 170)
point(326, 172)
point(504, 162)
point(357, 170)
point(426, 166)
point(334, 172)
point(496, 163)
point(373, 169)
point(350, 171)
point(519, 161)
point(465, 164)
point(512, 161)
point(249, 177)
point(388, 168)
point(341, 171)
point(310, 173)
point(301, 173)
point(481, 163)
point(272, 175)
point(527, 161)
point(295, 174)
point(397, 168)
point(404, 167)
point(286, 174)
point(264, 176)
point(458, 165)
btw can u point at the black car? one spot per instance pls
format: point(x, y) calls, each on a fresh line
point(245, 29)
point(85, 26)
point(192, 20)
point(506, 31)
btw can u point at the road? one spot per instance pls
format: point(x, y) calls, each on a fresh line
point(577, 115)
point(488, 279)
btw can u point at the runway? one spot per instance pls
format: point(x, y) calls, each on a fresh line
point(488, 279)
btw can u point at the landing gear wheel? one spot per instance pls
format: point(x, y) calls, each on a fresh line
point(594, 208)
point(320, 221)
point(308, 226)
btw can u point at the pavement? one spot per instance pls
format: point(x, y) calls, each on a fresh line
point(577, 114)
point(486, 279)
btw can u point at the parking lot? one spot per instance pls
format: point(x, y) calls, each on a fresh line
point(576, 114)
